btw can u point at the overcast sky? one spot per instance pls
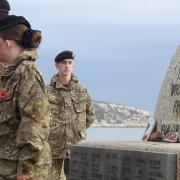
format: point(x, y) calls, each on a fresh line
point(123, 47)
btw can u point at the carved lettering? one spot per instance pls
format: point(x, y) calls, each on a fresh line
point(175, 89)
point(169, 128)
point(176, 108)
point(178, 74)
point(115, 164)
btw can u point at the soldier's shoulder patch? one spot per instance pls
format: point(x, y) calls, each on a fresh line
point(33, 89)
point(37, 107)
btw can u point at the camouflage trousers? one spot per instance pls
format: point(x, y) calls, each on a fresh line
point(8, 170)
point(41, 170)
point(60, 169)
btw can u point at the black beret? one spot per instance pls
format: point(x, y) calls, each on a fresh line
point(64, 55)
point(4, 5)
point(13, 20)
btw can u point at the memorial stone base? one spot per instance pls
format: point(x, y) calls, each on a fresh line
point(92, 160)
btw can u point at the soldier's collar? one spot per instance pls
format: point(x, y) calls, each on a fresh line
point(56, 81)
point(28, 54)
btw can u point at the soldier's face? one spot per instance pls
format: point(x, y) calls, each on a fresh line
point(65, 67)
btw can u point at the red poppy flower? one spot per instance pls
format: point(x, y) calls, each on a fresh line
point(4, 94)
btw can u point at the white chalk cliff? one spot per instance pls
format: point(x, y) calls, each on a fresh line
point(116, 115)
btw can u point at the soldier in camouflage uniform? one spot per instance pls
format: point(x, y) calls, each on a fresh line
point(4, 11)
point(24, 116)
point(72, 112)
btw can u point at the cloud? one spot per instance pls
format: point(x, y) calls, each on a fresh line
point(95, 11)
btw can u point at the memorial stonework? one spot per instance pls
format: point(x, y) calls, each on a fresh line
point(167, 114)
point(123, 161)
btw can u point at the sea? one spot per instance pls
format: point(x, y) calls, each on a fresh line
point(115, 134)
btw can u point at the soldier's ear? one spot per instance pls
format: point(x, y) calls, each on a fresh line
point(57, 66)
point(8, 43)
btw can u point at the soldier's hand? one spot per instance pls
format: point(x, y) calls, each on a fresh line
point(145, 138)
point(24, 177)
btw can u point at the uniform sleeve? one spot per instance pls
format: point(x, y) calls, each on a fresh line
point(90, 111)
point(35, 118)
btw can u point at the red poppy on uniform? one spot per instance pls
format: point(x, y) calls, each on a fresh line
point(4, 94)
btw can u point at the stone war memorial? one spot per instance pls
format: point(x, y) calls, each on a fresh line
point(167, 114)
point(138, 160)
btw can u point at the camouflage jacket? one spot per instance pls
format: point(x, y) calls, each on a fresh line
point(2, 67)
point(72, 112)
point(24, 115)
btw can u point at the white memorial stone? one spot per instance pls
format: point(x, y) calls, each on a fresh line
point(167, 114)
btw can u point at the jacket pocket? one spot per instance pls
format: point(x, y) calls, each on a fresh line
point(54, 105)
point(79, 102)
point(6, 107)
point(53, 99)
